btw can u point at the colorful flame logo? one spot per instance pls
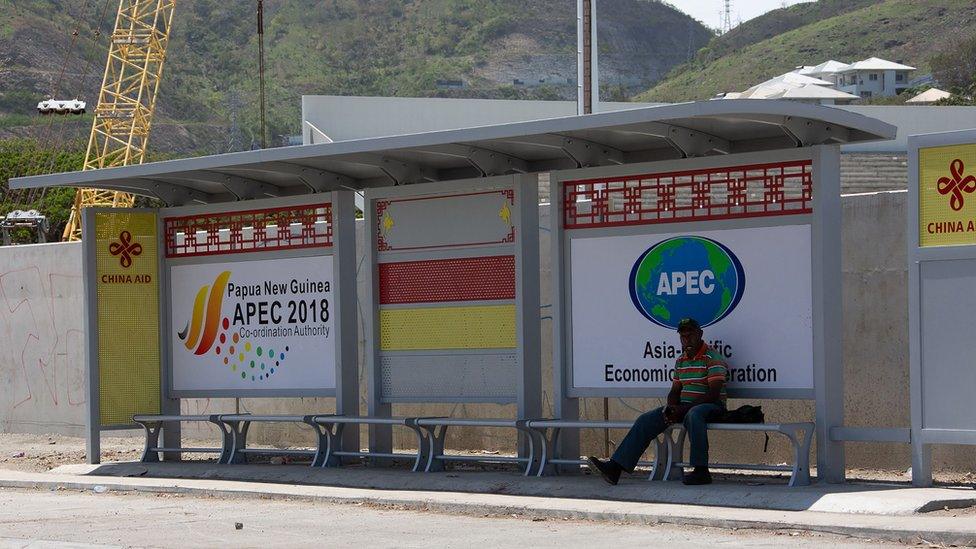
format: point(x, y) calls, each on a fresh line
point(207, 329)
point(208, 323)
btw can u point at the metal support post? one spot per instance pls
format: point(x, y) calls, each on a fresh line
point(347, 346)
point(828, 360)
point(92, 407)
point(567, 446)
point(380, 436)
point(529, 336)
point(588, 74)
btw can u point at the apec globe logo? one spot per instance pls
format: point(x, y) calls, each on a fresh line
point(687, 277)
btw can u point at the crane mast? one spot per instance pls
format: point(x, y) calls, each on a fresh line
point(127, 100)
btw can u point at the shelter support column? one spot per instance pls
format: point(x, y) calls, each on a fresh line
point(564, 407)
point(828, 365)
point(170, 405)
point(380, 436)
point(93, 449)
point(527, 270)
point(347, 351)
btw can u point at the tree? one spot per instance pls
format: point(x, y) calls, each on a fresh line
point(955, 66)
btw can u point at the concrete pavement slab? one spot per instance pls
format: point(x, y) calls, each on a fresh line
point(873, 498)
point(483, 497)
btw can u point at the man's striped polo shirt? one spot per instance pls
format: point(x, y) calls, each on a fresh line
point(695, 373)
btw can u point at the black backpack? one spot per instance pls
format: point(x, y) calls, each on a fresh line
point(743, 414)
point(746, 414)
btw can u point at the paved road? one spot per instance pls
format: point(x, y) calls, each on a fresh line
point(87, 519)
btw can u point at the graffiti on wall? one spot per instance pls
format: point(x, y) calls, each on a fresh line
point(42, 341)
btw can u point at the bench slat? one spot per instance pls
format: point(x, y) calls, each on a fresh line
point(151, 418)
point(192, 450)
point(461, 422)
point(374, 454)
point(486, 458)
point(744, 466)
point(276, 452)
point(267, 419)
point(362, 420)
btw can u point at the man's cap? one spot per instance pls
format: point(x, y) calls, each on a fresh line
point(688, 324)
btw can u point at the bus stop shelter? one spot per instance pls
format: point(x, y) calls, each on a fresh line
point(248, 274)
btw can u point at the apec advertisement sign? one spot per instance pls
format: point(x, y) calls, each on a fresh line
point(253, 325)
point(751, 290)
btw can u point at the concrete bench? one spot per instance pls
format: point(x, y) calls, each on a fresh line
point(551, 442)
point(333, 426)
point(800, 436)
point(436, 429)
point(153, 424)
point(239, 425)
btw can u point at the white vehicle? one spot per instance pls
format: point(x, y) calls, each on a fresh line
point(55, 106)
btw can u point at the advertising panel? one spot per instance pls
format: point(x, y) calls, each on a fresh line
point(126, 272)
point(750, 289)
point(253, 325)
point(947, 207)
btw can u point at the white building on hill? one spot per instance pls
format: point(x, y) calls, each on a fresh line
point(828, 70)
point(832, 82)
point(794, 86)
point(874, 77)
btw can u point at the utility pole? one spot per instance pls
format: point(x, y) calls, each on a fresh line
point(264, 130)
point(588, 73)
point(727, 22)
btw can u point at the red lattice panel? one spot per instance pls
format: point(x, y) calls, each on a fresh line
point(783, 188)
point(440, 280)
point(288, 228)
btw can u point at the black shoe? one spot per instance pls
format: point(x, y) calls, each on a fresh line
point(609, 469)
point(697, 477)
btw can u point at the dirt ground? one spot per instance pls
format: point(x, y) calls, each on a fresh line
point(39, 453)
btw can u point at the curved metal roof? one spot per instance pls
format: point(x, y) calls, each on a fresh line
point(631, 136)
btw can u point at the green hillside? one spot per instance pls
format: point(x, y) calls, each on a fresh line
point(346, 47)
point(773, 23)
point(911, 31)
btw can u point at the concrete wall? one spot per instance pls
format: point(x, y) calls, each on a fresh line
point(42, 341)
point(41, 360)
point(343, 118)
point(911, 121)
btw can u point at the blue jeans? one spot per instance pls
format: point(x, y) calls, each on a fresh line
point(651, 424)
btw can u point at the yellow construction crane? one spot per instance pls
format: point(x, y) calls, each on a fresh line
point(127, 100)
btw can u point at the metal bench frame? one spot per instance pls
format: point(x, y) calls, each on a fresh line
point(153, 424)
point(436, 429)
point(333, 427)
point(240, 424)
point(547, 464)
point(800, 436)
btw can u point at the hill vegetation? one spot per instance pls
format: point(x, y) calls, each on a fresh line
point(910, 31)
point(342, 47)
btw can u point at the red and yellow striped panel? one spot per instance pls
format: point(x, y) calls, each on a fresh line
point(440, 280)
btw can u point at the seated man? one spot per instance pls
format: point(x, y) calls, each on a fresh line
point(697, 396)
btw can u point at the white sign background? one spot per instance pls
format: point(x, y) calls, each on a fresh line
point(771, 328)
point(309, 362)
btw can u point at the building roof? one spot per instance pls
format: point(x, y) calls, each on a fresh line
point(877, 64)
point(827, 67)
point(614, 138)
point(930, 95)
point(796, 79)
point(814, 92)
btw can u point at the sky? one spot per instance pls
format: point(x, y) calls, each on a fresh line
point(707, 11)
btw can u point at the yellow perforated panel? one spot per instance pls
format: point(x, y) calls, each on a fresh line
point(126, 265)
point(946, 203)
point(484, 327)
